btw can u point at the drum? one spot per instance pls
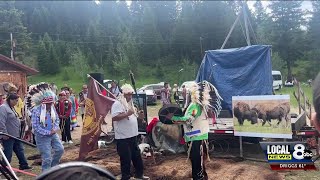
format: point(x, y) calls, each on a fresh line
point(170, 109)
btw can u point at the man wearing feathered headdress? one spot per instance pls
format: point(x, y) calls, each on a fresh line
point(196, 124)
point(45, 123)
point(125, 121)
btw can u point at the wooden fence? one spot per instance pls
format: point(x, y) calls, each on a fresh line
point(303, 101)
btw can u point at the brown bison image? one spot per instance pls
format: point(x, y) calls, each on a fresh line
point(242, 112)
point(269, 112)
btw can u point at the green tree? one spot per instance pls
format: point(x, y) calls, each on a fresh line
point(263, 24)
point(286, 33)
point(314, 25)
point(127, 56)
point(80, 64)
point(11, 22)
point(48, 62)
point(53, 63)
point(42, 57)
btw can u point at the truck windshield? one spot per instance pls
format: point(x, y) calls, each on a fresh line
point(276, 77)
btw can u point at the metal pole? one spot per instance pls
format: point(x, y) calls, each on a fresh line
point(201, 47)
point(241, 148)
point(245, 17)
point(7, 162)
point(11, 38)
point(299, 98)
point(230, 31)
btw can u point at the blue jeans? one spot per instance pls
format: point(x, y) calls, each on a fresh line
point(16, 146)
point(45, 145)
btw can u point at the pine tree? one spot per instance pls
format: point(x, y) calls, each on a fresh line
point(48, 62)
point(314, 25)
point(11, 22)
point(263, 23)
point(260, 12)
point(42, 57)
point(287, 34)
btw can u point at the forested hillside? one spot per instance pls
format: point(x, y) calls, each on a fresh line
point(153, 39)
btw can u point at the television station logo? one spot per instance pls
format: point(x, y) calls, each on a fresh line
point(288, 155)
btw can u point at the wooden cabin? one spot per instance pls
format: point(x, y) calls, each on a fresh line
point(16, 73)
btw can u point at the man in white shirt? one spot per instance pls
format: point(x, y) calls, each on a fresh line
point(125, 121)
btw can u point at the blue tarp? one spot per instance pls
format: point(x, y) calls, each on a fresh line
point(241, 71)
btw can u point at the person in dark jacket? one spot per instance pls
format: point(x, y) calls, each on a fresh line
point(10, 124)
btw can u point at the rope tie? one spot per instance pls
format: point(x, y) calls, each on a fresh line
point(189, 150)
point(207, 146)
point(200, 174)
point(62, 125)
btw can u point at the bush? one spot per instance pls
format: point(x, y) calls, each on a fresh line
point(65, 75)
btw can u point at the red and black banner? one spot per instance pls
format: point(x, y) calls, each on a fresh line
point(97, 107)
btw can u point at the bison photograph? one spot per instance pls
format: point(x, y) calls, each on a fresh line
point(262, 116)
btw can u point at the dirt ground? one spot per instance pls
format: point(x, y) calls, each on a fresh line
point(176, 166)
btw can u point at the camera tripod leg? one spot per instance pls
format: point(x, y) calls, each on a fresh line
point(5, 164)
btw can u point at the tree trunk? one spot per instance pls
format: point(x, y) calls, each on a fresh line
point(289, 77)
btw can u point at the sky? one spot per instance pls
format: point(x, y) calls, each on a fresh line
point(306, 5)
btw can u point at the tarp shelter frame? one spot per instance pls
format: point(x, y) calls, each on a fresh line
point(247, 36)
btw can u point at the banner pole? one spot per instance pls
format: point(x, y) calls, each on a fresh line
point(88, 75)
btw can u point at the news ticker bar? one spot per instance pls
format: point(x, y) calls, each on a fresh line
point(293, 166)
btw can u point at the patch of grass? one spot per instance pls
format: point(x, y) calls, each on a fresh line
point(29, 151)
point(74, 80)
point(289, 90)
point(258, 128)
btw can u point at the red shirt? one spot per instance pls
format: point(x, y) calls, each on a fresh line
point(63, 108)
point(104, 92)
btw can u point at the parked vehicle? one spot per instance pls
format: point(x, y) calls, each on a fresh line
point(151, 96)
point(288, 83)
point(154, 87)
point(107, 83)
point(277, 80)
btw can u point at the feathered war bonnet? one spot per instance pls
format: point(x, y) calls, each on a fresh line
point(40, 95)
point(206, 95)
